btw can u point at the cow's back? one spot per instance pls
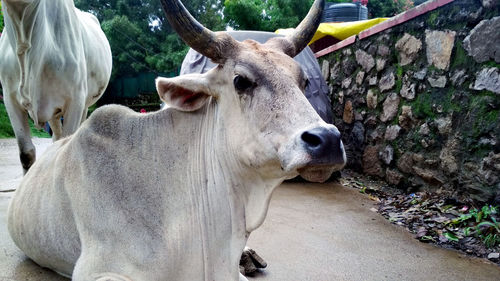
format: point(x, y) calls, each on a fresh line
point(40, 219)
point(41, 214)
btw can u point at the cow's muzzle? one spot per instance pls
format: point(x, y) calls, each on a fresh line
point(324, 145)
point(326, 151)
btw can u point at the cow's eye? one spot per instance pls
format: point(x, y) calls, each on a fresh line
point(242, 83)
point(306, 84)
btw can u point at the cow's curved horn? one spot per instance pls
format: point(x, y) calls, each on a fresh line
point(213, 45)
point(294, 43)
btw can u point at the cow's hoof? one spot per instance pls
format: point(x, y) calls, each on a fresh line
point(27, 159)
point(250, 261)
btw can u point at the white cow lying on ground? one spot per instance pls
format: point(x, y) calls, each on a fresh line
point(174, 194)
point(55, 62)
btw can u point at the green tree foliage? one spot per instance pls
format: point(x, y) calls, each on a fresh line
point(140, 36)
point(270, 15)
point(388, 8)
point(1, 18)
point(265, 15)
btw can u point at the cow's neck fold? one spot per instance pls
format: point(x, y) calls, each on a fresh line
point(19, 22)
point(220, 182)
point(247, 189)
point(51, 25)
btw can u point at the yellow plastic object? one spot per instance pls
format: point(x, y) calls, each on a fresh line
point(339, 30)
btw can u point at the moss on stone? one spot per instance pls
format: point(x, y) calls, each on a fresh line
point(433, 69)
point(334, 57)
point(399, 78)
point(491, 64)
point(422, 106)
point(432, 19)
point(484, 118)
point(449, 105)
point(460, 57)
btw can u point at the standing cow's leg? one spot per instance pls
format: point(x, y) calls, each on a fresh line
point(73, 115)
point(56, 127)
point(84, 115)
point(19, 122)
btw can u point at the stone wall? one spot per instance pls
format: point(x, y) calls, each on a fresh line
point(418, 104)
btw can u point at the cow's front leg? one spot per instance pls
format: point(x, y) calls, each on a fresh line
point(111, 277)
point(250, 262)
point(19, 122)
point(92, 265)
point(243, 278)
point(105, 276)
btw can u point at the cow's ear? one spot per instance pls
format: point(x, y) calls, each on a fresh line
point(186, 93)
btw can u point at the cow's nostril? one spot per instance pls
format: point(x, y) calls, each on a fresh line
point(311, 139)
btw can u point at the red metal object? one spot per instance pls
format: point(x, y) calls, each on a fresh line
point(396, 20)
point(404, 17)
point(363, 2)
point(339, 45)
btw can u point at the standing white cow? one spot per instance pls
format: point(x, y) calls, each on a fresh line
point(174, 194)
point(55, 62)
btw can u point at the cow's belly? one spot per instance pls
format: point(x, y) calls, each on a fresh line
point(40, 221)
point(97, 57)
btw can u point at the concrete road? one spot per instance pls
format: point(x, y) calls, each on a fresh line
point(10, 165)
point(317, 232)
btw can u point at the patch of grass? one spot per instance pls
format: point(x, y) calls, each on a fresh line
point(482, 224)
point(5, 127)
point(6, 130)
point(37, 133)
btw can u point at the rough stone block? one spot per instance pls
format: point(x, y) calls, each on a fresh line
point(483, 41)
point(325, 68)
point(348, 115)
point(386, 154)
point(380, 64)
point(359, 77)
point(405, 163)
point(387, 82)
point(408, 47)
point(488, 79)
point(371, 99)
point(408, 90)
point(438, 82)
point(439, 47)
point(406, 119)
point(365, 60)
point(392, 132)
point(390, 107)
point(371, 163)
point(393, 177)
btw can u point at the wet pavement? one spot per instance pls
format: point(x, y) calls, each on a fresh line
point(316, 232)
